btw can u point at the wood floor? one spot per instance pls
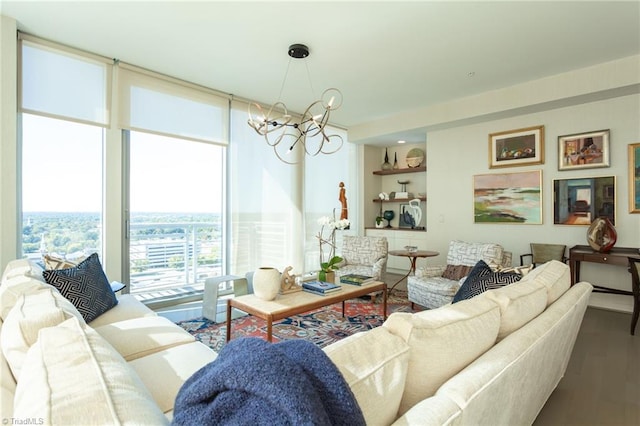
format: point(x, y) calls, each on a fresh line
point(602, 383)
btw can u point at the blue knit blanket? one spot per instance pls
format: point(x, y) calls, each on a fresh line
point(253, 382)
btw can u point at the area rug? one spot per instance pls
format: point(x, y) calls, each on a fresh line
point(322, 326)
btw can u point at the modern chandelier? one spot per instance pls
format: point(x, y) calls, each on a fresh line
point(292, 139)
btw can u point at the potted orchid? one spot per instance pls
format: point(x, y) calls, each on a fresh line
point(328, 266)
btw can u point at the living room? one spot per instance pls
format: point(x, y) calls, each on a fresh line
point(453, 134)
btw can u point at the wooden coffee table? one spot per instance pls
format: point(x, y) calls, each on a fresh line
point(287, 305)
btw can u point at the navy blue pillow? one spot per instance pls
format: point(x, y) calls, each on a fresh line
point(482, 278)
point(85, 286)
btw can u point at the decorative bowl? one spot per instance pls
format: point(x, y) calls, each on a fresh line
point(411, 249)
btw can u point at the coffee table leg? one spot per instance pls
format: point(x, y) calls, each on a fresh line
point(343, 309)
point(269, 329)
point(228, 320)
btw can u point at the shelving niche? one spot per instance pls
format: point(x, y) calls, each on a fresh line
point(421, 169)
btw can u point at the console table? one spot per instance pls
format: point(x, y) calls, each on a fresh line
point(618, 256)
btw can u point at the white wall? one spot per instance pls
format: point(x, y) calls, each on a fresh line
point(455, 155)
point(8, 148)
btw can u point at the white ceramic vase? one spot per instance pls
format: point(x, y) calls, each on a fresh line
point(266, 283)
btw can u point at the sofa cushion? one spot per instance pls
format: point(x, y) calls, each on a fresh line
point(554, 275)
point(374, 364)
point(86, 286)
point(32, 312)
point(443, 341)
point(128, 307)
point(25, 267)
point(519, 303)
point(177, 364)
point(72, 375)
point(135, 338)
point(482, 278)
point(12, 288)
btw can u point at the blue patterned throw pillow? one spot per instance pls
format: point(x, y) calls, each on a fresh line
point(86, 286)
point(483, 278)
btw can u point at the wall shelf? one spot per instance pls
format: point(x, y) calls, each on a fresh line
point(400, 171)
point(395, 228)
point(399, 200)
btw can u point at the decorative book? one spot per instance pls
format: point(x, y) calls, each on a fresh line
point(320, 287)
point(356, 279)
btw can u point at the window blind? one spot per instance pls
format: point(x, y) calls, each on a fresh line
point(158, 104)
point(60, 82)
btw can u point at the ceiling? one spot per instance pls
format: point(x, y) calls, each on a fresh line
point(385, 57)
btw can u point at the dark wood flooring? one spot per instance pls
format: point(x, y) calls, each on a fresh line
point(602, 383)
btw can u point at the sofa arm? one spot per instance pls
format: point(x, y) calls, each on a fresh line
point(430, 271)
point(379, 268)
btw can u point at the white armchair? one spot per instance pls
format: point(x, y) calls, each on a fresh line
point(363, 255)
point(435, 286)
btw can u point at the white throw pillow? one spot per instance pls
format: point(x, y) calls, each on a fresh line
point(24, 267)
point(374, 364)
point(13, 288)
point(72, 375)
point(443, 341)
point(33, 311)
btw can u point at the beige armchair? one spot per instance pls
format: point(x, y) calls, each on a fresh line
point(435, 286)
point(363, 255)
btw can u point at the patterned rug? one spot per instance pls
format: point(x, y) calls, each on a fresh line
point(322, 326)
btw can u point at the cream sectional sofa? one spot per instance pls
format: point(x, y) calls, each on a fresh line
point(124, 367)
point(493, 359)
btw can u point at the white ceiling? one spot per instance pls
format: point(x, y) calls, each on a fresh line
point(385, 57)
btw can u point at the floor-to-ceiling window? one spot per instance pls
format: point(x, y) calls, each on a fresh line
point(63, 113)
point(191, 200)
point(175, 137)
point(176, 192)
point(61, 188)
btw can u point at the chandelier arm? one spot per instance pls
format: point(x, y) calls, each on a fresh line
point(335, 146)
point(278, 120)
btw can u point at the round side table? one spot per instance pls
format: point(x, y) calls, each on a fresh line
point(413, 257)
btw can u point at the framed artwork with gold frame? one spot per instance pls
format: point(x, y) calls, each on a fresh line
point(508, 198)
point(634, 178)
point(583, 150)
point(520, 147)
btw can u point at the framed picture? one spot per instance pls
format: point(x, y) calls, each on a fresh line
point(508, 198)
point(583, 150)
point(578, 201)
point(520, 147)
point(634, 178)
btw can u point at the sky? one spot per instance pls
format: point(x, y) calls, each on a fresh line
point(62, 170)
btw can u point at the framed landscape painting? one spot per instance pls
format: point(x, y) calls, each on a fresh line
point(508, 198)
point(583, 150)
point(634, 178)
point(521, 147)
